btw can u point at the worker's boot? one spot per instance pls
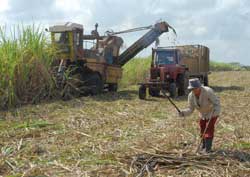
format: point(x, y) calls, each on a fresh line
point(203, 144)
point(202, 149)
point(208, 144)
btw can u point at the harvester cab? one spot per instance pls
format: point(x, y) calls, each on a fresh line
point(67, 38)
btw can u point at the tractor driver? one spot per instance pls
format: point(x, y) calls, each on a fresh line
point(208, 104)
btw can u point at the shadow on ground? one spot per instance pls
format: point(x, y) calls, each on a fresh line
point(120, 95)
point(226, 88)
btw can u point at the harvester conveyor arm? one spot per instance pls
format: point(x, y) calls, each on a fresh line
point(143, 42)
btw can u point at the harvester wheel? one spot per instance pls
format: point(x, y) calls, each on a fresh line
point(142, 92)
point(172, 90)
point(72, 87)
point(95, 83)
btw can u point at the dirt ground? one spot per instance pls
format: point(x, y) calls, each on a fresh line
point(102, 135)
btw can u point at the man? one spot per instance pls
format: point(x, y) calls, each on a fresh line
point(207, 103)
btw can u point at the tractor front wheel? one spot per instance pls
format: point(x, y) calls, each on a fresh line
point(154, 92)
point(142, 92)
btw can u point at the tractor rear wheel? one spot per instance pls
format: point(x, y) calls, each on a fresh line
point(112, 87)
point(205, 80)
point(142, 92)
point(154, 92)
point(183, 84)
point(172, 90)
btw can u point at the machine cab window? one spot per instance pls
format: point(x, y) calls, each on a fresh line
point(165, 57)
point(78, 38)
point(61, 38)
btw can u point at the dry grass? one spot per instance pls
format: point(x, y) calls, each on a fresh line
point(96, 136)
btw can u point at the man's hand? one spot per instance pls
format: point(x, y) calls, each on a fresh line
point(180, 114)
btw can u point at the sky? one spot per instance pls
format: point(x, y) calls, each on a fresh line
point(222, 25)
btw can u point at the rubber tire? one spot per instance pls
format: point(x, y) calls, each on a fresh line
point(172, 90)
point(205, 80)
point(154, 92)
point(142, 92)
point(96, 84)
point(112, 87)
point(183, 84)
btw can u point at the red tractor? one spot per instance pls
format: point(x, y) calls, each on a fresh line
point(166, 74)
point(171, 67)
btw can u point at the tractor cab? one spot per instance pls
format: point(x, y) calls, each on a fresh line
point(163, 57)
point(67, 38)
point(165, 65)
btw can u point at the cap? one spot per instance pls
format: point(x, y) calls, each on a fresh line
point(194, 83)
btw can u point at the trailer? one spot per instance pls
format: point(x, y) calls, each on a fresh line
point(196, 59)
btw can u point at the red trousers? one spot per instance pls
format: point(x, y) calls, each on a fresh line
point(210, 127)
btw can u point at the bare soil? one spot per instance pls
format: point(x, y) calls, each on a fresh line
point(103, 135)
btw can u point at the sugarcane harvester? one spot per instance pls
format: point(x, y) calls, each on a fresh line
point(87, 64)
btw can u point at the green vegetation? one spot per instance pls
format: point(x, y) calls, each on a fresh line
point(135, 71)
point(220, 66)
point(24, 65)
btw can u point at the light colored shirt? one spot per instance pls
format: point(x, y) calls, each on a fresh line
point(208, 104)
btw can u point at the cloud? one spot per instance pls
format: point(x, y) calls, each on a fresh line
point(4, 6)
point(30, 11)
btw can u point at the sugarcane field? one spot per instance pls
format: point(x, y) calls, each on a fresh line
point(112, 89)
